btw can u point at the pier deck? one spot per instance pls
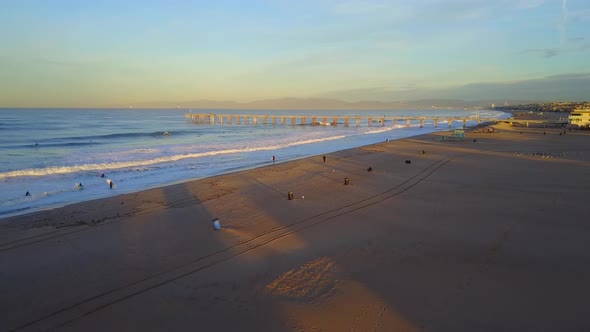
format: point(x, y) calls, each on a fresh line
point(345, 120)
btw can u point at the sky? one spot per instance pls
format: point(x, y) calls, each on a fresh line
point(111, 53)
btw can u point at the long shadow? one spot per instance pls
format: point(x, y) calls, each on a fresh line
point(385, 255)
point(165, 235)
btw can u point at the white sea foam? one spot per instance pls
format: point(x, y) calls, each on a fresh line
point(383, 129)
point(139, 163)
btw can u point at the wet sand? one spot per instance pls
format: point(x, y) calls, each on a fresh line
point(489, 233)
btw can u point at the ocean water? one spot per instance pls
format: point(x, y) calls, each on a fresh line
point(47, 152)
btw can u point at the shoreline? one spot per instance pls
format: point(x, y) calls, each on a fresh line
point(466, 228)
point(37, 218)
point(58, 194)
point(33, 210)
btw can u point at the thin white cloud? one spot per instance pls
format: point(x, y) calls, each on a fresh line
point(546, 52)
point(563, 23)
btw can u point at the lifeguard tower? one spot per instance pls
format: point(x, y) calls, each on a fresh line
point(458, 135)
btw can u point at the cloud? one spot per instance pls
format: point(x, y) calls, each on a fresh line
point(475, 9)
point(571, 86)
point(433, 10)
point(579, 15)
point(574, 87)
point(575, 39)
point(569, 76)
point(546, 52)
point(550, 52)
point(553, 52)
point(573, 16)
point(563, 23)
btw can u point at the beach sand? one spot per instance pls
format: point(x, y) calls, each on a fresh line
point(490, 233)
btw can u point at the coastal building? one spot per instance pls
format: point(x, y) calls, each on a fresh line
point(580, 117)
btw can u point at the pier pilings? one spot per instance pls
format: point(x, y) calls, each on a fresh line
point(333, 121)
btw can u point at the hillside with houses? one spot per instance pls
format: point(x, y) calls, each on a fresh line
point(546, 107)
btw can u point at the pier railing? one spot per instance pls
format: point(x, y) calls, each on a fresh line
point(341, 120)
point(323, 120)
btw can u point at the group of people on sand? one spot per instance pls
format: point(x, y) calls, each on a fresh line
point(80, 186)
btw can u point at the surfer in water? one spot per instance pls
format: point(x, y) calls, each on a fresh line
point(28, 194)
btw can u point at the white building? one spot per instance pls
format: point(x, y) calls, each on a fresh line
point(580, 117)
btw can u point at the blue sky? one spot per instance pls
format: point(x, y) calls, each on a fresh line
point(112, 53)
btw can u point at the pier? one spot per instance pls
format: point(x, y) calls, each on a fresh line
point(346, 120)
point(324, 120)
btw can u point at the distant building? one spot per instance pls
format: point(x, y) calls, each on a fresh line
point(580, 117)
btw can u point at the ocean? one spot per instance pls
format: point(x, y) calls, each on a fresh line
point(49, 152)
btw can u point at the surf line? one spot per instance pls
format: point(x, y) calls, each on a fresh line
point(34, 172)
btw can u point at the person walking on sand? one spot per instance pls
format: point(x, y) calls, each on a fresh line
point(324, 157)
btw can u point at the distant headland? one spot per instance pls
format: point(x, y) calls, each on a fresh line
point(545, 107)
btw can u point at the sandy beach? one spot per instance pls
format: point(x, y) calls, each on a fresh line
point(488, 233)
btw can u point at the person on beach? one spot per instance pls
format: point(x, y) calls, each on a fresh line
point(216, 224)
point(324, 157)
point(273, 159)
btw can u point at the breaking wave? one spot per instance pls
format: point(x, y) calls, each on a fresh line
point(35, 172)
